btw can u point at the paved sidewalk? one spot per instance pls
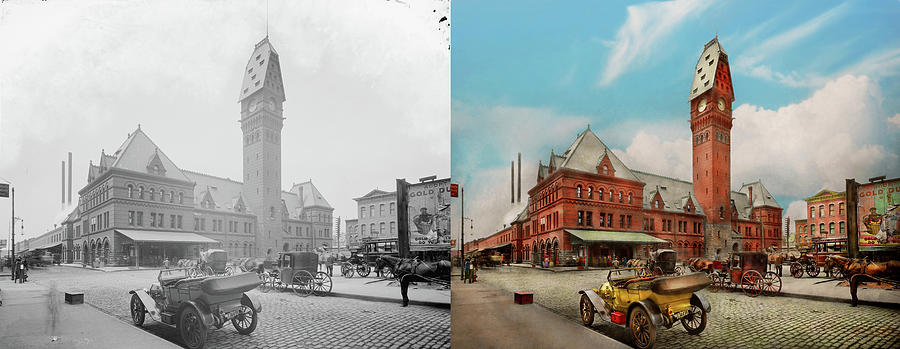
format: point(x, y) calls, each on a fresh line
point(830, 291)
point(34, 316)
point(389, 291)
point(107, 269)
point(486, 317)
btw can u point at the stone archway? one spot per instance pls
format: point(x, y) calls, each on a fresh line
point(555, 256)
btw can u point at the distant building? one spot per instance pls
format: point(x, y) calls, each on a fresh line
point(139, 207)
point(377, 214)
point(801, 233)
point(826, 214)
point(352, 232)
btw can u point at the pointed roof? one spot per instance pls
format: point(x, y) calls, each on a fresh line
point(138, 150)
point(707, 66)
point(263, 72)
point(674, 192)
point(375, 193)
point(224, 192)
point(761, 195)
point(587, 152)
point(311, 197)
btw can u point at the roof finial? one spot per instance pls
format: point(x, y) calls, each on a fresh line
point(139, 126)
point(267, 19)
point(589, 126)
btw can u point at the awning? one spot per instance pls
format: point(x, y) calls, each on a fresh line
point(48, 246)
point(164, 236)
point(499, 246)
point(473, 251)
point(621, 237)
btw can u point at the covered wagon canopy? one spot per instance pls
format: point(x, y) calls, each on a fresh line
point(619, 237)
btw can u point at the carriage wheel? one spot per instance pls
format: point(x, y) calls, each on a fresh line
point(245, 321)
point(751, 283)
point(657, 271)
point(322, 284)
point(301, 283)
point(771, 284)
point(642, 272)
point(137, 310)
point(229, 271)
point(346, 271)
point(679, 271)
point(716, 282)
point(643, 333)
point(266, 285)
point(837, 272)
point(193, 333)
point(208, 272)
point(695, 321)
point(363, 270)
point(796, 270)
point(587, 311)
point(813, 270)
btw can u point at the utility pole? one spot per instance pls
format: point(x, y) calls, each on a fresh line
point(12, 248)
point(338, 231)
point(462, 231)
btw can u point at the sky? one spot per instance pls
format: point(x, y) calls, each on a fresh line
point(816, 86)
point(366, 85)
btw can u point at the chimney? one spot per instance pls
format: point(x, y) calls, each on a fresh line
point(63, 180)
point(751, 195)
point(519, 193)
point(69, 200)
point(512, 182)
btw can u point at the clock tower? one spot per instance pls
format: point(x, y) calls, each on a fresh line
point(711, 100)
point(261, 100)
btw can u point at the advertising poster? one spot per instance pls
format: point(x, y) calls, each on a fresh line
point(429, 215)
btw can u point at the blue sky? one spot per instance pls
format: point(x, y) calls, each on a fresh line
point(815, 86)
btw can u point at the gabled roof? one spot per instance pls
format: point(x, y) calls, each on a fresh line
point(138, 150)
point(308, 195)
point(741, 204)
point(586, 153)
point(673, 192)
point(707, 65)
point(824, 193)
point(761, 195)
point(263, 71)
point(223, 191)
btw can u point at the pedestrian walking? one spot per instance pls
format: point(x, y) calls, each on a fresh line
point(329, 264)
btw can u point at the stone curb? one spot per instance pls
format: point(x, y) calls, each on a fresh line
point(887, 305)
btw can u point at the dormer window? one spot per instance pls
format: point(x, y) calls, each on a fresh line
point(605, 170)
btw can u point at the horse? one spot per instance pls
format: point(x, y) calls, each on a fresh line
point(862, 270)
point(699, 264)
point(636, 263)
point(413, 269)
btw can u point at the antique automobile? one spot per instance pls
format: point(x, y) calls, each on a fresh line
point(644, 304)
point(297, 271)
point(195, 305)
point(747, 271)
point(662, 262)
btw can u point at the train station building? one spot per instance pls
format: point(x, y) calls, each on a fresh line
point(588, 207)
point(140, 208)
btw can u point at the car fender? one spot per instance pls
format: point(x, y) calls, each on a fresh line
point(149, 303)
point(205, 315)
point(598, 303)
point(251, 300)
point(652, 310)
point(701, 302)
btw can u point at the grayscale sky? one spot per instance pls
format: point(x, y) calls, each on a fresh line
point(367, 90)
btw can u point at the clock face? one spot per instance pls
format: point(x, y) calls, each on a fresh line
point(721, 103)
point(701, 106)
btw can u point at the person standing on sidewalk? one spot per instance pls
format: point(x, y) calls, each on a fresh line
point(329, 264)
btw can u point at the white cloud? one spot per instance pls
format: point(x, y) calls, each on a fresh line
point(894, 120)
point(646, 25)
point(647, 152)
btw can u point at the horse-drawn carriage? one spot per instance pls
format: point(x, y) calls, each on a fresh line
point(211, 262)
point(194, 305)
point(297, 271)
point(805, 263)
point(747, 271)
point(644, 304)
point(356, 263)
point(662, 262)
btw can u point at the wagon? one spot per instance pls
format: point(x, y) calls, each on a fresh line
point(297, 271)
point(357, 264)
point(747, 271)
point(805, 263)
point(642, 305)
point(662, 262)
point(195, 305)
point(211, 262)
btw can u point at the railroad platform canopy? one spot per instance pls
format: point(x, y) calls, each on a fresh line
point(164, 236)
point(621, 237)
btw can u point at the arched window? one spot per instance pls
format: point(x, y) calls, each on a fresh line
point(381, 229)
point(600, 193)
point(141, 192)
point(831, 210)
point(152, 194)
point(130, 191)
point(620, 197)
point(605, 170)
point(821, 210)
point(822, 228)
point(721, 212)
point(629, 198)
point(272, 211)
point(612, 192)
point(181, 198)
point(162, 195)
point(590, 192)
point(578, 191)
point(831, 228)
point(812, 212)
point(372, 228)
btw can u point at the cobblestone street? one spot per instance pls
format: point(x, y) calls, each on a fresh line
point(736, 320)
point(287, 320)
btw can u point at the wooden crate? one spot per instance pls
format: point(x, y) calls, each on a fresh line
point(74, 297)
point(523, 297)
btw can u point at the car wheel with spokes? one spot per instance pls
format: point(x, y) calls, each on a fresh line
point(587, 311)
point(695, 321)
point(643, 333)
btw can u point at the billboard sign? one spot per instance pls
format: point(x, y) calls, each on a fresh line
point(428, 215)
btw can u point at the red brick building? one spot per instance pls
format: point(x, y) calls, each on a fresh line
point(588, 206)
point(827, 214)
point(801, 233)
